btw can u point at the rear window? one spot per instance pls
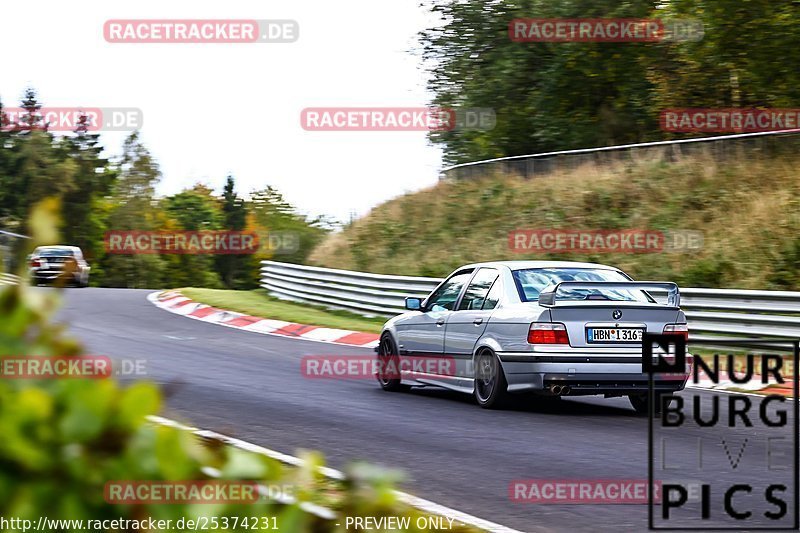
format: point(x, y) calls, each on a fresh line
point(531, 281)
point(54, 252)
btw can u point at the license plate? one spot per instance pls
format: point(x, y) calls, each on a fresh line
point(614, 334)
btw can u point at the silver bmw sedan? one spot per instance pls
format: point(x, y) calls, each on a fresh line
point(552, 328)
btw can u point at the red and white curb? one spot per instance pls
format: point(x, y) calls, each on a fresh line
point(175, 302)
point(752, 386)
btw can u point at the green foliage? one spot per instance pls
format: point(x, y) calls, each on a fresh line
point(546, 96)
point(133, 207)
point(79, 206)
point(194, 209)
point(786, 274)
point(558, 96)
point(268, 209)
point(743, 59)
point(234, 214)
point(705, 272)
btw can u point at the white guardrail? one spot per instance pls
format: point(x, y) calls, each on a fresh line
point(726, 312)
point(543, 163)
point(8, 279)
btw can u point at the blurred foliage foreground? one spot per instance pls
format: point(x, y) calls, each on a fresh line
point(64, 439)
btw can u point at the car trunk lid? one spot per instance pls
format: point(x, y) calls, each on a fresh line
point(605, 323)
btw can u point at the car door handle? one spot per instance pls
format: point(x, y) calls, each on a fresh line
point(478, 321)
point(440, 322)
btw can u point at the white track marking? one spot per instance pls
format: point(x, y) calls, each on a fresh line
point(419, 503)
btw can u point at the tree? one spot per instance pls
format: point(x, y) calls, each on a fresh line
point(7, 196)
point(546, 96)
point(234, 218)
point(559, 96)
point(81, 206)
point(195, 209)
point(3, 118)
point(133, 207)
point(746, 57)
point(277, 219)
point(31, 119)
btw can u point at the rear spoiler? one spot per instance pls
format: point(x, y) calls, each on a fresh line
point(549, 295)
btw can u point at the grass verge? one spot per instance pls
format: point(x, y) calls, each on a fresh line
point(259, 303)
point(746, 209)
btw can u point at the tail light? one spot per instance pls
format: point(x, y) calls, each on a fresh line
point(35, 263)
point(677, 329)
point(548, 333)
point(681, 329)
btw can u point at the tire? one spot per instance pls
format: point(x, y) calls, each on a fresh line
point(641, 404)
point(387, 353)
point(491, 387)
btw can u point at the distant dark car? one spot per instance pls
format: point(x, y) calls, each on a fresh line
point(59, 265)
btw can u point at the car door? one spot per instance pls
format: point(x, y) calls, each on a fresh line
point(423, 333)
point(466, 325)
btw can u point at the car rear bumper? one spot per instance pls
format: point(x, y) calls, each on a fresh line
point(607, 374)
point(45, 276)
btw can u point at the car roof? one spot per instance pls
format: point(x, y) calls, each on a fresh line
point(56, 247)
point(520, 265)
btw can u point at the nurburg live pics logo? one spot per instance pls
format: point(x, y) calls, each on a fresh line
point(740, 448)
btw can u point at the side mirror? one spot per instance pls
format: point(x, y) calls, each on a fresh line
point(413, 304)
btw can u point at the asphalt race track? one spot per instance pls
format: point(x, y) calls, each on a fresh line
point(453, 452)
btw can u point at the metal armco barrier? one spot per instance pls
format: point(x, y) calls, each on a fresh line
point(360, 292)
point(719, 147)
point(8, 279)
point(710, 312)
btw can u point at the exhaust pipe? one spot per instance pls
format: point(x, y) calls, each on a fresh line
point(559, 390)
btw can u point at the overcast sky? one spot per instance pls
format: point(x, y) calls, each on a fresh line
point(211, 109)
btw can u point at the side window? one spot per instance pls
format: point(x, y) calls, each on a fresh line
point(493, 298)
point(444, 299)
point(478, 289)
